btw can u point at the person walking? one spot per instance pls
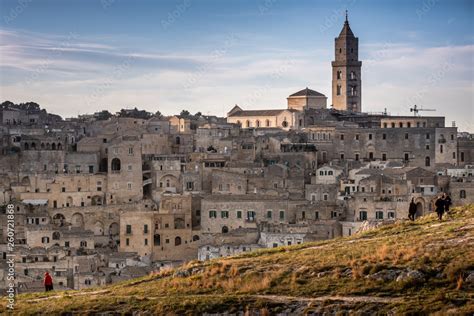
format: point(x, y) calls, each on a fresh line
point(447, 202)
point(439, 204)
point(48, 282)
point(412, 210)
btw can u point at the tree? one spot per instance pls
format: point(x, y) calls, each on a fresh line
point(198, 114)
point(158, 114)
point(185, 113)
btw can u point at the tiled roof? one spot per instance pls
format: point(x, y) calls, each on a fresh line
point(258, 112)
point(307, 92)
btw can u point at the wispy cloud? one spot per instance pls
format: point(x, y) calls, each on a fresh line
point(70, 74)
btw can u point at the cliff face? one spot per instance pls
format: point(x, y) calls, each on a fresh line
point(423, 266)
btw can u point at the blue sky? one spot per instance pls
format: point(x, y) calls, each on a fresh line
point(76, 57)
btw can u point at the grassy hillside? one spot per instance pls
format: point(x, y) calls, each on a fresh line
point(422, 266)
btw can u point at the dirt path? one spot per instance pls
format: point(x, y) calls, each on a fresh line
point(274, 298)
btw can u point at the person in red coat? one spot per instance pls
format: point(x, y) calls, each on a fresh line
point(48, 282)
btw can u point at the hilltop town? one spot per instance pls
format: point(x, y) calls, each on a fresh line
point(108, 197)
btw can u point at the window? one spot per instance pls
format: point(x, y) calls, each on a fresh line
point(342, 136)
point(282, 215)
point(363, 215)
point(45, 240)
point(156, 239)
point(269, 214)
point(379, 214)
point(129, 167)
point(145, 229)
point(427, 136)
point(83, 243)
point(342, 156)
point(462, 194)
point(250, 216)
point(239, 214)
point(384, 136)
point(462, 156)
point(338, 90)
point(400, 124)
point(128, 229)
point(177, 241)
point(146, 242)
point(371, 156)
point(370, 136)
point(406, 157)
point(384, 157)
point(357, 137)
point(427, 161)
point(406, 135)
point(384, 125)
point(212, 214)
point(441, 149)
point(130, 151)
point(127, 242)
point(339, 74)
point(454, 155)
point(129, 186)
point(391, 214)
point(316, 215)
point(224, 214)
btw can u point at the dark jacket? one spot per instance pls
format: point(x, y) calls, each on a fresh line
point(439, 205)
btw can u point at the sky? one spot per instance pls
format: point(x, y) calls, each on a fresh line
point(80, 56)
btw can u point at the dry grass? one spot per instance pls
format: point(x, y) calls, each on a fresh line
point(228, 284)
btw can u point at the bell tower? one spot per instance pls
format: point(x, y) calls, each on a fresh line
point(346, 72)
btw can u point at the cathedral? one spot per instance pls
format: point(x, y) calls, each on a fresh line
point(346, 91)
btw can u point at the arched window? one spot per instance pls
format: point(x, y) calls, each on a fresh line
point(56, 236)
point(353, 76)
point(178, 140)
point(53, 146)
point(179, 223)
point(257, 123)
point(427, 161)
point(247, 123)
point(116, 166)
point(60, 147)
point(177, 241)
point(48, 146)
point(225, 229)
point(284, 124)
point(33, 146)
point(27, 146)
point(462, 194)
point(42, 146)
point(238, 122)
point(267, 123)
point(83, 243)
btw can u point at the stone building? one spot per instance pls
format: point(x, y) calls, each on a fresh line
point(346, 72)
